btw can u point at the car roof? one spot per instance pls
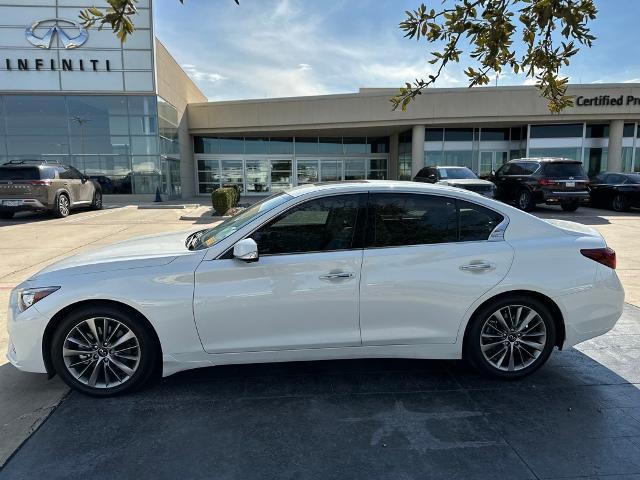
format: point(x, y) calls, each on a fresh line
point(545, 160)
point(452, 166)
point(355, 186)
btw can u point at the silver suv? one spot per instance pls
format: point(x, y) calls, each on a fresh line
point(27, 185)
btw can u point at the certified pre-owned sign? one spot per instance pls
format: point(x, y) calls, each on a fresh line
point(41, 33)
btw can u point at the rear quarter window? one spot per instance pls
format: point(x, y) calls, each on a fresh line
point(558, 170)
point(476, 221)
point(25, 173)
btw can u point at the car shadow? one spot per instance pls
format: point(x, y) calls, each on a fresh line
point(578, 416)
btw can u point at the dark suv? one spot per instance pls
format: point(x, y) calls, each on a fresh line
point(531, 181)
point(39, 185)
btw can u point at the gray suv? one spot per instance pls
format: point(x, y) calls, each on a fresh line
point(39, 185)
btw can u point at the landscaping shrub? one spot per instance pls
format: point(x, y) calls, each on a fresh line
point(223, 199)
point(236, 189)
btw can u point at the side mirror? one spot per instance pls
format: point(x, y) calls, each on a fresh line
point(246, 250)
point(84, 179)
point(432, 177)
point(493, 173)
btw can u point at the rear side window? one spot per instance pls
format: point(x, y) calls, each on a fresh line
point(424, 173)
point(407, 219)
point(476, 221)
point(559, 170)
point(25, 173)
point(414, 219)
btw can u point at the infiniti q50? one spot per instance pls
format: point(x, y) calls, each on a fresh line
point(343, 270)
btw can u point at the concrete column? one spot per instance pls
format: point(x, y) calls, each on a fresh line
point(417, 149)
point(394, 156)
point(616, 129)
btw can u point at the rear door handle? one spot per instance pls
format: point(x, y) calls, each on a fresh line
point(478, 267)
point(337, 276)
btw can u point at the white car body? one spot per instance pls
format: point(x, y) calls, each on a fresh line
point(410, 302)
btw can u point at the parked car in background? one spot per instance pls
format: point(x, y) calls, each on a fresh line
point(619, 191)
point(460, 177)
point(365, 269)
point(552, 181)
point(33, 185)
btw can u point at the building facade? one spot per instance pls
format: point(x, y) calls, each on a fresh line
point(128, 116)
point(115, 111)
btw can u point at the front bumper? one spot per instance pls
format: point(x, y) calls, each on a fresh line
point(20, 204)
point(26, 330)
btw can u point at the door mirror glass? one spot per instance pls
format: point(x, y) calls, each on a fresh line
point(246, 250)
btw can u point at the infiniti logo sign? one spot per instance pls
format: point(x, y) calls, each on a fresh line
point(70, 33)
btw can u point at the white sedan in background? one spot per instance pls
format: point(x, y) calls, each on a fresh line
point(343, 270)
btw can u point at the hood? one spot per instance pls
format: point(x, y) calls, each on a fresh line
point(464, 181)
point(147, 251)
point(573, 228)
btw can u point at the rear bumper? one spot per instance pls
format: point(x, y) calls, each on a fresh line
point(555, 197)
point(594, 311)
point(20, 204)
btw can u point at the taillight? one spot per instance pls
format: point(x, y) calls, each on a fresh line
point(546, 182)
point(40, 182)
point(606, 256)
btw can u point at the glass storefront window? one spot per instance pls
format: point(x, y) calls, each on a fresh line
point(354, 145)
point(458, 134)
point(557, 130)
point(378, 145)
point(377, 169)
point(35, 114)
point(231, 145)
point(143, 125)
point(561, 152)
point(433, 134)
point(597, 131)
point(97, 106)
point(627, 159)
point(281, 146)
point(307, 171)
point(142, 105)
point(331, 146)
point(257, 174)
point(112, 172)
point(306, 145)
point(461, 158)
point(629, 130)
point(355, 169)
point(146, 174)
point(595, 160)
point(519, 133)
point(494, 134)
point(104, 144)
point(433, 157)
point(232, 173)
point(256, 145)
point(37, 145)
point(144, 145)
point(281, 175)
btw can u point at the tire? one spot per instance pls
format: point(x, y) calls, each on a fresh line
point(489, 350)
point(6, 215)
point(126, 370)
point(570, 207)
point(620, 203)
point(62, 207)
point(97, 200)
point(524, 201)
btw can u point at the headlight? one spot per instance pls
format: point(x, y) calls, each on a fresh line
point(31, 296)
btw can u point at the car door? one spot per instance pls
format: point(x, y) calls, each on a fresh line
point(501, 180)
point(303, 292)
point(86, 188)
point(427, 259)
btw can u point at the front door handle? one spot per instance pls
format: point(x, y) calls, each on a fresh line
point(478, 267)
point(337, 276)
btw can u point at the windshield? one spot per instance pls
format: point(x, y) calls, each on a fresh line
point(221, 231)
point(456, 173)
point(634, 178)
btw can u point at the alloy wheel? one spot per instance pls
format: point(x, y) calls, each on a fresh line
point(523, 200)
point(98, 201)
point(619, 203)
point(513, 337)
point(101, 352)
point(63, 205)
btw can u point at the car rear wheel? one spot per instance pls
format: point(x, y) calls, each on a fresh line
point(570, 206)
point(525, 201)
point(6, 215)
point(97, 201)
point(619, 203)
point(510, 338)
point(103, 351)
point(62, 206)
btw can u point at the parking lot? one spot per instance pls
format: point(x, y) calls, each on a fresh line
point(578, 417)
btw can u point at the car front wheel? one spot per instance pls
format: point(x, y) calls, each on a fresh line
point(103, 351)
point(510, 338)
point(97, 201)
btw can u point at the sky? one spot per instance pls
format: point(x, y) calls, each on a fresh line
point(282, 48)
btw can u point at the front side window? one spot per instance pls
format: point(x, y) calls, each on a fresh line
point(399, 219)
point(323, 224)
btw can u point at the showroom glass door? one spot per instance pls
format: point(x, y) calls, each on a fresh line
point(491, 161)
point(330, 170)
point(171, 177)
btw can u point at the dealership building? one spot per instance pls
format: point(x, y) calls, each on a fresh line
point(129, 116)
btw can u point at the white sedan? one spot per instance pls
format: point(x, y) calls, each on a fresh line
point(343, 270)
